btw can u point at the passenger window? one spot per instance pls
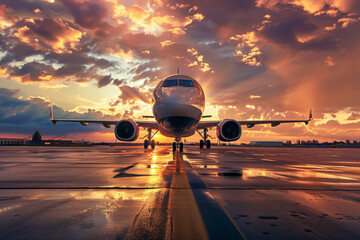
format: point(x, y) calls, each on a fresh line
point(186, 83)
point(170, 83)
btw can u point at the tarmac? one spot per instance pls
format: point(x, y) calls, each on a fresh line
point(126, 192)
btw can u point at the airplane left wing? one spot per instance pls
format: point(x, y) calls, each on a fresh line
point(105, 123)
point(252, 123)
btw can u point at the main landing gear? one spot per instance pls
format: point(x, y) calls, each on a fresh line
point(178, 144)
point(149, 141)
point(204, 140)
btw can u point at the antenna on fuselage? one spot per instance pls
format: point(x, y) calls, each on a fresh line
point(178, 71)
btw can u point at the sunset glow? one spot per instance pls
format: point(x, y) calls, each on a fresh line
point(255, 60)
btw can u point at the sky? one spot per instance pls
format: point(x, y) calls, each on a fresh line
point(255, 59)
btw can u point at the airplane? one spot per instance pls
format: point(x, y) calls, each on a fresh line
point(178, 104)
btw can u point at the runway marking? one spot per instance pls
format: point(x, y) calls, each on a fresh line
point(184, 214)
point(218, 223)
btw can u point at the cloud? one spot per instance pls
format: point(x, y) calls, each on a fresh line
point(129, 95)
point(295, 54)
point(106, 80)
point(24, 116)
point(46, 33)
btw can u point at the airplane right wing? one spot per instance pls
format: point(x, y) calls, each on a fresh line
point(252, 123)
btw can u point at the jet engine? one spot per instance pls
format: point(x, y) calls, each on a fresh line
point(228, 130)
point(127, 130)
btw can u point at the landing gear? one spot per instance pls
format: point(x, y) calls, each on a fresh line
point(146, 144)
point(178, 144)
point(149, 141)
point(181, 147)
point(152, 143)
point(205, 137)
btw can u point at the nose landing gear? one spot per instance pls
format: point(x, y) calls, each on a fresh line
point(178, 144)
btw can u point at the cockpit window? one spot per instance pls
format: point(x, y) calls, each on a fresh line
point(186, 83)
point(170, 83)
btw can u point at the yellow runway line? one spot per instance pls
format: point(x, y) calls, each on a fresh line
point(184, 214)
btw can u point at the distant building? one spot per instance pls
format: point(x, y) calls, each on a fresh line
point(37, 140)
point(266, 143)
point(6, 141)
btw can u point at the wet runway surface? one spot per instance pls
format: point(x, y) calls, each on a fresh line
point(219, 193)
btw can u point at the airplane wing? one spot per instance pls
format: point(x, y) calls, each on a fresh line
point(252, 123)
point(105, 123)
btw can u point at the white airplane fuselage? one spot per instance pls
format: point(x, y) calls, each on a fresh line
point(178, 105)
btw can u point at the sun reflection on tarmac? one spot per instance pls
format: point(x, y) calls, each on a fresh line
point(254, 172)
point(304, 175)
point(109, 195)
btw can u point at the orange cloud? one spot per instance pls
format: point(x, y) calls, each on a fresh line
point(49, 33)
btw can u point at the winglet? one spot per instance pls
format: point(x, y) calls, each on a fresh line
point(310, 115)
point(51, 113)
point(52, 116)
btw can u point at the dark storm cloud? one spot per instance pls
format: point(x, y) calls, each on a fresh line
point(87, 14)
point(18, 53)
point(92, 15)
point(106, 80)
point(26, 7)
point(293, 24)
point(69, 70)
point(227, 18)
point(131, 94)
point(33, 71)
point(25, 116)
point(285, 29)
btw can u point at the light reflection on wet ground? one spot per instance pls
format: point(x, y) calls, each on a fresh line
point(123, 192)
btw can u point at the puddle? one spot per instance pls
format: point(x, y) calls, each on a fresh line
point(230, 174)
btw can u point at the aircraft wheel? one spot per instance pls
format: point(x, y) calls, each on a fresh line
point(208, 144)
point(174, 146)
point(152, 143)
point(201, 143)
point(146, 144)
point(181, 147)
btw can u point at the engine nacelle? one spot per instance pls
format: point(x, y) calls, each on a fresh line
point(228, 130)
point(127, 130)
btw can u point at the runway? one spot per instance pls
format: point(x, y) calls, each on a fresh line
point(104, 192)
